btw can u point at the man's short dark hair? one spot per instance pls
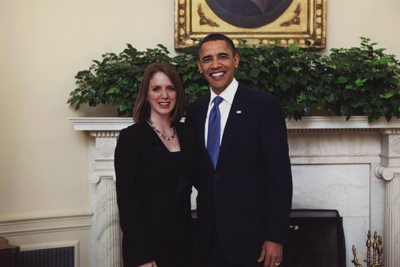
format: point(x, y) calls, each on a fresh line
point(217, 37)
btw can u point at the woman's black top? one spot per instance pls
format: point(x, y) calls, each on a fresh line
point(153, 195)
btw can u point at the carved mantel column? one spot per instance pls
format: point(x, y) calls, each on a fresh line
point(389, 170)
point(108, 232)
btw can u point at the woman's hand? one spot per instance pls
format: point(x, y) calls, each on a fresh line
point(149, 264)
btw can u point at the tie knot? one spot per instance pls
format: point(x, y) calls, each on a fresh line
point(217, 100)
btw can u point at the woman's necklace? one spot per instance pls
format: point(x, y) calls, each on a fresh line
point(159, 133)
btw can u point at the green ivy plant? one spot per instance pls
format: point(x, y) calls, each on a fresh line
point(364, 81)
point(356, 81)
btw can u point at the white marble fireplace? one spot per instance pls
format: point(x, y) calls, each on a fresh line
point(350, 166)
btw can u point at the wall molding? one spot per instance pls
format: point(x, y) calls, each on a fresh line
point(46, 222)
point(44, 216)
point(45, 230)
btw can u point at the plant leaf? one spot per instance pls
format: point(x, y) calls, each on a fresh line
point(342, 79)
point(388, 95)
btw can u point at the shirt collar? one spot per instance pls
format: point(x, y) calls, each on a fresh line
point(228, 94)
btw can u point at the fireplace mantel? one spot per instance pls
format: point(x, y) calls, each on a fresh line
point(314, 122)
point(351, 166)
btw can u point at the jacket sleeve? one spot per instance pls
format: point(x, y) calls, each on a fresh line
point(276, 161)
point(136, 243)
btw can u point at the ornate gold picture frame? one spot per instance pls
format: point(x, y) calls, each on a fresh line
point(290, 21)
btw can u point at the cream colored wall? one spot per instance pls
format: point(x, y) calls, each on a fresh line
point(377, 20)
point(44, 43)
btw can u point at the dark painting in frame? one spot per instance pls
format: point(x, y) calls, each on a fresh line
point(257, 21)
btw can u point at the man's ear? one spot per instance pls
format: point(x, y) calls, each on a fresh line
point(236, 59)
point(199, 66)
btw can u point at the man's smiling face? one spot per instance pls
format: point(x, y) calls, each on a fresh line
point(217, 63)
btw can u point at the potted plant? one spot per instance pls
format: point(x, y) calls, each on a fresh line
point(356, 81)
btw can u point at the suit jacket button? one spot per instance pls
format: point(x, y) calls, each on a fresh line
point(215, 176)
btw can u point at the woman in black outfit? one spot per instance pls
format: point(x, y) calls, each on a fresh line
point(154, 165)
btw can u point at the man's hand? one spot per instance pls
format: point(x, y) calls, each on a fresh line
point(149, 264)
point(272, 253)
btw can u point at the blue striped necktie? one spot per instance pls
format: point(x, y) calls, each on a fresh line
point(214, 131)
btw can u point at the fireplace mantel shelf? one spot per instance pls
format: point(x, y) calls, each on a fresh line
point(313, 122)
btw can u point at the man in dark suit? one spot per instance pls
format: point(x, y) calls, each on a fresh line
point(244, 182)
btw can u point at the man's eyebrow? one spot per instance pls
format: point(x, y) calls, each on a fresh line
point(206, 57)
point(223, 54)
point(219, 54)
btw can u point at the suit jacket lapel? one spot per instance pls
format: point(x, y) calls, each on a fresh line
point(151, 136)
point(202, 120)
point(237, 113)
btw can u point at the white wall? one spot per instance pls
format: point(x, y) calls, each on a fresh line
point(44, 43)
point(350, 19)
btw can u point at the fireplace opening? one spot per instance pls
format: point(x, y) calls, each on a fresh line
point(51, 257)
point(316, 238)
point(318, 241)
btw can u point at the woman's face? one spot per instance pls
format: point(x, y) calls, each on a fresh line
point(161, 95)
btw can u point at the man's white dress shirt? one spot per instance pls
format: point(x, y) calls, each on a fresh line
point(225, 107)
